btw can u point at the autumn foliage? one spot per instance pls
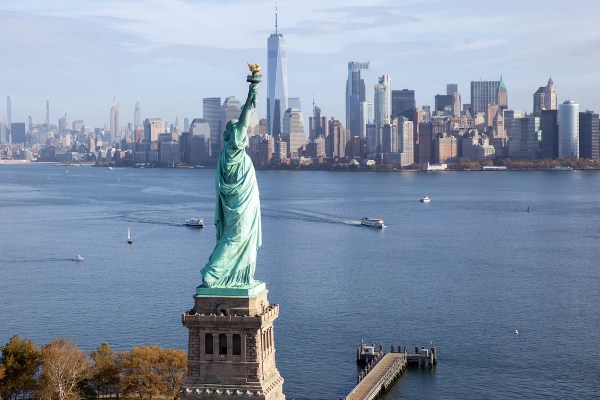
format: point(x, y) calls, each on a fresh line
point(59, 370)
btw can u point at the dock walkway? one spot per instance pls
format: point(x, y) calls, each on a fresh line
point(380, 378)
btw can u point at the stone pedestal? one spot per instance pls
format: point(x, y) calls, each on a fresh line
point(231, 348)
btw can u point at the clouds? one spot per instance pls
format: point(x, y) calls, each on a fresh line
point(78, 53)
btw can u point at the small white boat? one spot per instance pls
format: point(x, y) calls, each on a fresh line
point(78, 258)
point(425, 199)
point(129, 236)
point(194, 223)
point(374, 222)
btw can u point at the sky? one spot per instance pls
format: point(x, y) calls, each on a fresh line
point(169, 54)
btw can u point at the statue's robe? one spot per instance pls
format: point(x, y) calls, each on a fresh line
point(237, 216)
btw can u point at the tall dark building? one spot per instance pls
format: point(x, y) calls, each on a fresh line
point(443, 102)
point(549, 126)
point(589, 135)
point(17, 132)
point(403, 104)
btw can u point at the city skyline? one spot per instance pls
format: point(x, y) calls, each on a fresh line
point(422, 46)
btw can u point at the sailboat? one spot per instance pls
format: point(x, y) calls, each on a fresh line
point(129, 236)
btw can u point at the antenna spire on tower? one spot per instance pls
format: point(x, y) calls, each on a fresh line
point(276, 17)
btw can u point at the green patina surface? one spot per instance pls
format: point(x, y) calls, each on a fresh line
point(252, 291)
point(237, 212)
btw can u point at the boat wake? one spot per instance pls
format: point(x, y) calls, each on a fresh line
point(305, 215)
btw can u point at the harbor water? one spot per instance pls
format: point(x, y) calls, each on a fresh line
point(492, 254)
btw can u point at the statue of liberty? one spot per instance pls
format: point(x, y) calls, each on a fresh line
point(237, 213)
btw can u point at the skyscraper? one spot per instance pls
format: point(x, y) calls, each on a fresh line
point(482, 94)
point(211, 112)
point(47, 113)
point(403, 104)
point(382, 105)
point(337, 139)
point(568, 130)
point(277, 95)
point(358, 90)
point(115, 122)
point(293, 131)
point(451, 88)
point(502, 95)
point(318, 124)
point(549, 126)
point(137, 116)
point(589, 135)
point(8, 119)
point(545, 98)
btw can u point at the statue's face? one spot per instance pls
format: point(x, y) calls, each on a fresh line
point(229, 129)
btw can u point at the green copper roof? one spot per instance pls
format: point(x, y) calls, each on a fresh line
point(501, 84)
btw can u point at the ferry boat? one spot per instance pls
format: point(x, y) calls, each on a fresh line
point(425, 199)
point(78, 258)
point(374, 222)
point(194, 223)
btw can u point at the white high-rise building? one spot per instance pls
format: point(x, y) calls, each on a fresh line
point(137, 116)
point(568, 130)
point(406, 142)
point(293, 130)
point(382, 104)
point(277, 84)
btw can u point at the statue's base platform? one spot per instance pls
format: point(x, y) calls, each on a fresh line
point(251, 291)
point(231, 346)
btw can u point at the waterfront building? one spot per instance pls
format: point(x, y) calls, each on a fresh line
point(277, 81)
point(356, 147)
point(266, 149)
point(152, 128)
point(545, 98)
point(589, 135)
point(211, 112)
point(482, 94)
point(337, 139)
point(8, 115)
point(406, 141)
point(316, 147)
point(280, 151)
point(549, 126)
point(293, 131)
point(509, 117)
point(568, 129)
point(445, 149)
point(525, 141)
point(358, 89)
point(425, 143)
point(389, 137)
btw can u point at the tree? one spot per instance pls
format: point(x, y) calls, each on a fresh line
point(173, 368)
point(64, 367)
point(139, 369)
point(19, 362)
point(105, 374)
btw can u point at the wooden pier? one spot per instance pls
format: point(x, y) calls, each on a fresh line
point(382, 369)
point(380, 378)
